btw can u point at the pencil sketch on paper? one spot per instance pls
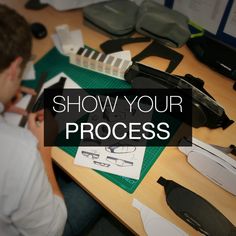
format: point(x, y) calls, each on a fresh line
point(120, 160)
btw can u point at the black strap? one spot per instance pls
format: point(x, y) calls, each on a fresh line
point(162, 181)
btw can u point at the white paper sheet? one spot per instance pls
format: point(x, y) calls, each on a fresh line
point(69, 83)
point(29, 72)
point(207, 14)
point(121, 157)
point(154, 223)
point(124, 55)
point(230, 27)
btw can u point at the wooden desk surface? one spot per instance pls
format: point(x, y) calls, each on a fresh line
point(171, 164)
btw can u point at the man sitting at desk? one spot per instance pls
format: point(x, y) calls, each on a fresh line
point(31, 202)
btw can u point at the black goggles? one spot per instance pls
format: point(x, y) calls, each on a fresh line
point(196, 211)
point(205, 110)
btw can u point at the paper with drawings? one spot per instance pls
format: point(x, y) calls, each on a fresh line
point(122, 156)
point(120, 160)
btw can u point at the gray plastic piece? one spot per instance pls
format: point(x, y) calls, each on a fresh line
point(117, 17)
point(161, 23)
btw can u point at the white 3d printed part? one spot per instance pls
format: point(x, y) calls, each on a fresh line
point(213, 163)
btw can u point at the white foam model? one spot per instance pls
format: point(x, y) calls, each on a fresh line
point(64, 36)
point(108, 64)
point(213, 163)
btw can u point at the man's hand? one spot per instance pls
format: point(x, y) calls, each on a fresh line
point(11, 106)
point(36, 126)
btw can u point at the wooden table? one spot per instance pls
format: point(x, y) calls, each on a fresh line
point(171, 164)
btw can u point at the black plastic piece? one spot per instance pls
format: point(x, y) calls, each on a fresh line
point(153, 49)
point(205, 111)
point(233, 149)
point(159, 50)
point(39, 104)
point(115, 45)
point(35, 5)
point(215, 54)
point(38, 30)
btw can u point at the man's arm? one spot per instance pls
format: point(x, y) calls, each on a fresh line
point(41, 210)
point(36, 126)
point(47, 161)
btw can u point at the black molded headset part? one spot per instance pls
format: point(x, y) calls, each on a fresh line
point(196, 211)
point(206, 111)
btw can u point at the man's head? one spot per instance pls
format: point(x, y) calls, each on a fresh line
point(15, 50)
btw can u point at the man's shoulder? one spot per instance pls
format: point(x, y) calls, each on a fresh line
point(13, 135)
point(17, 145)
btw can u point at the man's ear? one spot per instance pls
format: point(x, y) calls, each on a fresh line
point(14, 69)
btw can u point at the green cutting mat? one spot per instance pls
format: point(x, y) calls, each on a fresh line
point(53, 63)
